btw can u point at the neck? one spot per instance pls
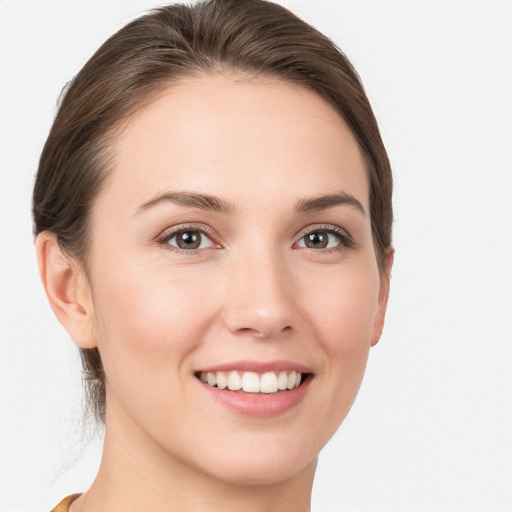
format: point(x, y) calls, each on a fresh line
point(135, 474)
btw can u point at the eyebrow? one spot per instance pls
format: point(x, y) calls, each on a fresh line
point(318, 203)
point(216, 204)
point(201, 201)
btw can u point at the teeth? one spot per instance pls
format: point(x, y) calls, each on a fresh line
point(268, 383)
point(234, 381)
point(291, 380)
point(222, 380)
point(210, 378)
point(282, 381)
point(252, 382)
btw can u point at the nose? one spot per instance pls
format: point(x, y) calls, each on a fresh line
point(260, 299)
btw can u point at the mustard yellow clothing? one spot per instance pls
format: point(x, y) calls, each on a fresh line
point(64, 505)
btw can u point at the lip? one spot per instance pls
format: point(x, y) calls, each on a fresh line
point(259, 405)
point(258, 367)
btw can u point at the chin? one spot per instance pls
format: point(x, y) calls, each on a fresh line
point(263, 473)
point(255, 466)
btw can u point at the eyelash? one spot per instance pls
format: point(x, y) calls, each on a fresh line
point(345, 240)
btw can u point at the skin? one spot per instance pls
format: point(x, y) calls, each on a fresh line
point(253, 291)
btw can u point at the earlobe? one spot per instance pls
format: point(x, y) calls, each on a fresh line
point(66, 289)
point(383, 298)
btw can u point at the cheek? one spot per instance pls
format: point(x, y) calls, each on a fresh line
point(147, 323)
point(342, 306)
point(343, 312)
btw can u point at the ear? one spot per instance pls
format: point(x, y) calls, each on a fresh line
point(67, 290)
point(383, 297)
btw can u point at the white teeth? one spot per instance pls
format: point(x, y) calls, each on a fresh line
point(222, 380)
point(234, 381)
point(252, 382)
point(291, 380)
point(268, 383)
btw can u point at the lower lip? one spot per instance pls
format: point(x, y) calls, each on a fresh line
point(260, 405)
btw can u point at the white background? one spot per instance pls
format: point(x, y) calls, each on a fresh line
point(432, 426)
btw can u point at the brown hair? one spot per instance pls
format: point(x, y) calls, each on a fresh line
point(250, 36)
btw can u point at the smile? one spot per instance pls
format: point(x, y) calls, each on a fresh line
point(255, 388)
point(253, 382)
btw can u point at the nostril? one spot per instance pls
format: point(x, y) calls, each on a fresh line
point(263, 333)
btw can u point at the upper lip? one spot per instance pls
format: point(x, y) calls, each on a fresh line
point(258, 366)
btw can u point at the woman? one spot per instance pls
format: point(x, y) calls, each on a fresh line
point(213, 229)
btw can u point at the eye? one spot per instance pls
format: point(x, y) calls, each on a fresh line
point(325, 238)
point(319, 240)
point(188, 240)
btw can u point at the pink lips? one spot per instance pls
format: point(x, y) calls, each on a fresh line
point(258, 367)
point(259, 405)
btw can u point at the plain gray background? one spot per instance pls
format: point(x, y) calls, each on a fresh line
point(431, 428)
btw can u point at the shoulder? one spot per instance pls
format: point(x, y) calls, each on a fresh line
point(64, 505)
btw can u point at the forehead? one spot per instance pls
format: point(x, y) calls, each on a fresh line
point(236, 137)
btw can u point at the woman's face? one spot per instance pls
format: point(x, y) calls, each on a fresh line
point(233, 242)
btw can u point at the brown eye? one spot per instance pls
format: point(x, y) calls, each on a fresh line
point(317, 240)
point(320, 239)
point(190, 239)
